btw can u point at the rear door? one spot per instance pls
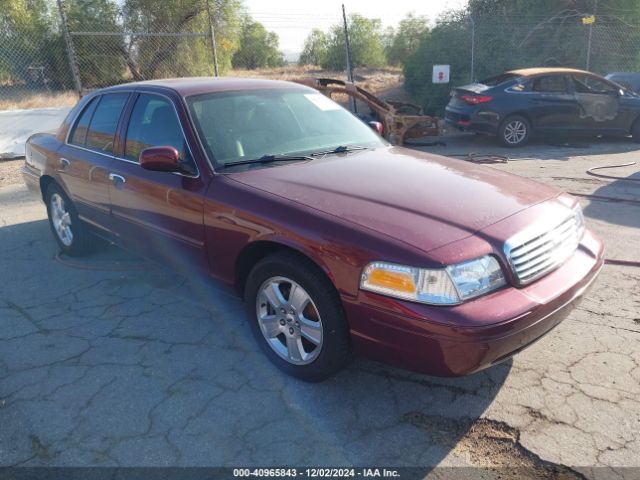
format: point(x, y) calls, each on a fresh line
point(552, 106)
point(158, 214)
point(86, 157)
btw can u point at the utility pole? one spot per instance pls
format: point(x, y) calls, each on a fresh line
point(75, 74)
point(592, 21)
point(473, 49)
point(352, 101)
point(212, 37)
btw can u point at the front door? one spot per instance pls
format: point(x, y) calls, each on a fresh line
point(599, 103)
point(158, 214)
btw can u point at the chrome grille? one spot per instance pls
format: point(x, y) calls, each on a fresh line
point(538, 250)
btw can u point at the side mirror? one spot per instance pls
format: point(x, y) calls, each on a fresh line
point(160, 159)
point(377, 127)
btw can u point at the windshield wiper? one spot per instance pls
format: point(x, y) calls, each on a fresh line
point(340, 149)
point(269, 159)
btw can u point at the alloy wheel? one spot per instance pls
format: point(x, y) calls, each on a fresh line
point(515, 132)
point(289, 320)
point(61, 219)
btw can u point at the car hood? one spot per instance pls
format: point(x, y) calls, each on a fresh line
point(424, 200)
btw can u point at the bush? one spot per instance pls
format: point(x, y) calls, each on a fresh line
point(447, 43)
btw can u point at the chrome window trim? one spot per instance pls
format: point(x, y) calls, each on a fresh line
point(115, 157)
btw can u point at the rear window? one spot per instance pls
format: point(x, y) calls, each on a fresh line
point(499, 80)
point(549, 84)
point(103, 125)
point(79, 130)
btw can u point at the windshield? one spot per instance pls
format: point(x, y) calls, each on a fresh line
point(245, 125)
point(630, 82)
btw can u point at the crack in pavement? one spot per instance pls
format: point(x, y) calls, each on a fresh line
point(152, 368)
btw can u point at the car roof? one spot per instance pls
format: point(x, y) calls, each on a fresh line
point(528, 72)
point(197, 85)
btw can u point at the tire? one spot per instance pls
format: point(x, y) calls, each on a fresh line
point(635, 131)
point(70, 233)
point(290, 324)
point(514, 131)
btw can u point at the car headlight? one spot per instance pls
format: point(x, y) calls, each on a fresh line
point(446, 286)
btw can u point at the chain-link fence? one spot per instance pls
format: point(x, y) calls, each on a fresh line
point(601, 45)
point(108, 58)
point(32, 57)
point(123, 41)
point(80, 45)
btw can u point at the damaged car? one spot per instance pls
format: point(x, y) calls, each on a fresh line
point(517, 104)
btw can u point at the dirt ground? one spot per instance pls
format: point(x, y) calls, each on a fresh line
point(18, 99)
point(384, 81)
point(10, 172)
point(96, 369)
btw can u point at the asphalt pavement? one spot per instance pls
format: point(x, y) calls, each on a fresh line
point(112, 360)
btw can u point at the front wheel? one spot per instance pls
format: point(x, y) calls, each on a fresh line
point(70, 233)
point(514, 131)
point(297, 317)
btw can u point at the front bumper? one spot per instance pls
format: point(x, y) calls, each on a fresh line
point(452, 341)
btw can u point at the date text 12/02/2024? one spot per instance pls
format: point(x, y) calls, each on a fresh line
point(317, 472)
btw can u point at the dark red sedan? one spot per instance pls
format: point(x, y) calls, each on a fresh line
point(336, 240)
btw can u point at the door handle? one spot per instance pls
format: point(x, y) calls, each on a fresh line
point(113, 177)
point(64, 163)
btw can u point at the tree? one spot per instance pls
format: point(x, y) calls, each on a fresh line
point(447, 43)
point(258, 47)
point(365, 38)
point(510, 34)
point(32, 52)
point(406, 39)
point(315, 48)
point(101, 60)
point(157, 57)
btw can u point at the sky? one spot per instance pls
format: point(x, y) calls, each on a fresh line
point(292, 20)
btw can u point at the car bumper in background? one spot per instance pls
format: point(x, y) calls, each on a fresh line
point(451, 341)
point(472, 120)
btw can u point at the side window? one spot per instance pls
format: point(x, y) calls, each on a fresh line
point(79, 130)
point(549, 84)
point(153, 123)
point(104, 122)
point(588, 84)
